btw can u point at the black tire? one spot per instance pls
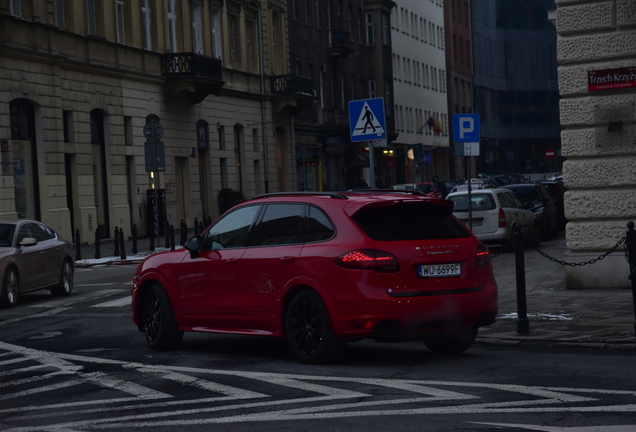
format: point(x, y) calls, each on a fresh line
point(10, 288)
point(309, 331)
point(452, 343)
point(65, 285)
point(160, 324)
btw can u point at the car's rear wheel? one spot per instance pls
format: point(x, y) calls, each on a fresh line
point(65, 285)
point(10, 288)
point(452, 343)
point(309, 331)
point(160, 324)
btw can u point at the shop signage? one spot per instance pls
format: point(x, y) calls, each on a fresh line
point(610, 79)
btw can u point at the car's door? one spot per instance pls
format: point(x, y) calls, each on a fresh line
point(269, 264)
point(51, 253)
point(33, 265)
point(207, 280)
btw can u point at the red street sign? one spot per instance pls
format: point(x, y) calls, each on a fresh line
point(610, 79)
point(549, 153)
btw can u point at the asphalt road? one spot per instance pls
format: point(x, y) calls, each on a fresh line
point(80, 364)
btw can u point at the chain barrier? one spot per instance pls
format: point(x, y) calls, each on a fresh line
point(565, 263)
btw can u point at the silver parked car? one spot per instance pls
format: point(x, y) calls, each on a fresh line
point(33, 257)
point(495, 212)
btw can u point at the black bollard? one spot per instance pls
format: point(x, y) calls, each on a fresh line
point(523, 325)
point(172, 245)
point(167, 235)
point(209, 220)
point(152, 238)
point(78, 252)
point(116, 251)
point(134, 240)
point(98, 253)
point(196, 226)
point(630, 244)
point(122, 254)
point(201, 227)
point(184, 232)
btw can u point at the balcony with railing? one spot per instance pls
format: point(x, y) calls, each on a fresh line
point(340, 43)
point(195, 75)
point(292, 92)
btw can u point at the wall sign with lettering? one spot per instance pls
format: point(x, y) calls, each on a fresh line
point(611, 79)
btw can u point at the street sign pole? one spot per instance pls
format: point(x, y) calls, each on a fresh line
point(372, 163)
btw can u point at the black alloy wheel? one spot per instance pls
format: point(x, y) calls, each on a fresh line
point(65, 285)
point(309, 331)
point(10, 288)
point(160, 324)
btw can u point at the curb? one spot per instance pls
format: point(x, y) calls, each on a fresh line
point(609, 345)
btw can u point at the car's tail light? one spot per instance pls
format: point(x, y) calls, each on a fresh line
point(369, 259)
point(482, 256)
point(502, 218)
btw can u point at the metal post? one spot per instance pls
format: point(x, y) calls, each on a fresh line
point(78, 252)
point(172, 245)
point(116, 252)
point(263, 111)
point(98, 253)
point(167, 234)
point(134, 239)
point(184, 232)
point(630, 244)
point(122, 255)
point(196, 226)
point(523, 326)
point(151, 247)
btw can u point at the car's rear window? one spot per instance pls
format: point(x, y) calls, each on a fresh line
point(479, 202)
point(410, 221)
point(527, 193)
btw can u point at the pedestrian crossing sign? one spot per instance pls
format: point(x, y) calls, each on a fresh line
point(366, 119)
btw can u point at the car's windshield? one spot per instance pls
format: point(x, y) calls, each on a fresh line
point(425, 188)
point(479, 202)
point(6, 234)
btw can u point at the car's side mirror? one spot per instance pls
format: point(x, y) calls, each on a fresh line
point(194, 245)
point(28, 241)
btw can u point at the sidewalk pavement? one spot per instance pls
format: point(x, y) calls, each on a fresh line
point(602, 318)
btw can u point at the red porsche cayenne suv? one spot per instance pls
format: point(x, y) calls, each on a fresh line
point(323, 269)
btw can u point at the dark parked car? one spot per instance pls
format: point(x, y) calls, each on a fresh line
point(445, 186)
point(556, 189)
point(536, 198)
point(33, 257)
point(322, 269)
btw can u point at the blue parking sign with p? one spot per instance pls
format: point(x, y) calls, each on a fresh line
point(466, 128)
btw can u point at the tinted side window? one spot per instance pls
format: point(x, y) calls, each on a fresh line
point(520, 203)
point(504, 201)
point(281, 224)
point(410, 221)
point(25, 231)
point(319, 227)
point(231, 231)
point(42, 233)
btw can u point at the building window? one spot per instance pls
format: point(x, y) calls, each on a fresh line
point(388, 98)
point(321, 88)
point(90, 18)
point(372, 92)
point(386, 29)
point(68, 126)
point(317, 14)
point(120, 20)
point(217, 41)
point(360, 27)
point(233, 42)
point(370, 35)
point(342, 91)
point(146, 24)
point(197, 27)
point(250, 45)
point(294, 9)
point(15, 8)
point(172, 24)
point(277, 63)
point(59, 14)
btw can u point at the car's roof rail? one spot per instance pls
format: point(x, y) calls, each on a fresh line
point(336, 195)
point(387, 191)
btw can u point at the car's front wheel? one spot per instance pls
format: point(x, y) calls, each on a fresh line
point(309, 331)
point(160, 324)
point(65, 285)
point(452, 343)
point(10, 288)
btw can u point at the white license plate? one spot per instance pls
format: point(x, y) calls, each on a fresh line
point(440, 270)
point(476, 223)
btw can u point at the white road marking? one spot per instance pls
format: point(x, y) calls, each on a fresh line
point(95, 284)
point(76, 299)
point(125, 301)
point(330, 391)
point(604, 428)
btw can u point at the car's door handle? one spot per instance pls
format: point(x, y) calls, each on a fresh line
point(232, 260)
point(287, 259)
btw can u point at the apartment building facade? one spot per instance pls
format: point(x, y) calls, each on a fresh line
point(343, 47)
point(421, 106)
point(105, 104)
